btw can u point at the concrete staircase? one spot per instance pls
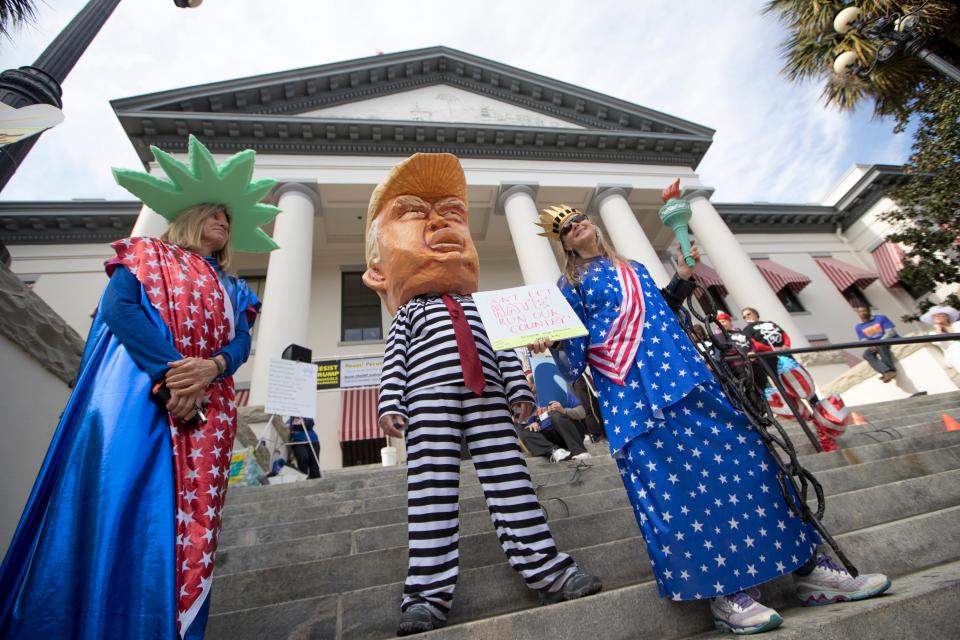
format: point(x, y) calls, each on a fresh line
point(326, 558)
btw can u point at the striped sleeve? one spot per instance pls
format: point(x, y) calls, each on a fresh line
point(514, 382)
point(393, 376)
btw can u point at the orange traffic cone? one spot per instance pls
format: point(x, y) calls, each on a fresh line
point(857, 418)
point(950, 423)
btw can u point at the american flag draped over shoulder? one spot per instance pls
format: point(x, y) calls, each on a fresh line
point(615, 356)
point(188, 295)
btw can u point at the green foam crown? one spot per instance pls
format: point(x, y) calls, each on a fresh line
point(203, 182)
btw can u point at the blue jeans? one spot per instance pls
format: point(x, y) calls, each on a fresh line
point(880, 358)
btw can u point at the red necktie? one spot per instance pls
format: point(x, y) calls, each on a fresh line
point(466, 345)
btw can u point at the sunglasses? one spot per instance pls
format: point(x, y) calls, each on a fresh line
point(569, 224)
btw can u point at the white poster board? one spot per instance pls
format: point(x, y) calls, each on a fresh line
point(518, 316)
point(291, 389)
point(360, 372)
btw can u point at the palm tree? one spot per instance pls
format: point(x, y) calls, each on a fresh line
point(813, 45)
point(14, 13)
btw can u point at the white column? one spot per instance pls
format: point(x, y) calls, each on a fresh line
point(149, 224)
point(625, 232)
point(538, 263)
point(285, 316)
point(739, 274)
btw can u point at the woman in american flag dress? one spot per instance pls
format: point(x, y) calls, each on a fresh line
point(703, 487)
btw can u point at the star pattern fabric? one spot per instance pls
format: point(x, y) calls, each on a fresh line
point(190, 299)
point(705, 493)
point(703, 486)
point(667, 366)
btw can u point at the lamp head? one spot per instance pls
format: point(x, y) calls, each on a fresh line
point(845, 63)
point(907, 23)
point(846, 20)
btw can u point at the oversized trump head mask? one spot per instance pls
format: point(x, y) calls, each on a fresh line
point(418, 234)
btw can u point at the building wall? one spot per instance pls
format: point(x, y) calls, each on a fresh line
point(33, 399)
point(71, 277)
point(827, 312)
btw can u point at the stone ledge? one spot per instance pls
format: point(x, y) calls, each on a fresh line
point(32, 325)
point(863, 371)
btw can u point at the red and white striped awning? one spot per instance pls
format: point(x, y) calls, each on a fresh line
point(358, 415)
point(707, 277)
point(889, 260)
point(779, 276)
point(843, 275)
point(242, 397)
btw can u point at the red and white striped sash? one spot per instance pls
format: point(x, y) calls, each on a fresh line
point(616, 355)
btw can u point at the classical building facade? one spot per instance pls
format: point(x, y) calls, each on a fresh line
point(330, 134)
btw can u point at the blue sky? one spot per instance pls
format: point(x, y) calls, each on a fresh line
point(713, 63)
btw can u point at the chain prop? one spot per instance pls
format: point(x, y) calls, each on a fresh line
point(743, 392)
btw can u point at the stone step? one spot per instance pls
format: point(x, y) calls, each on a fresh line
point(878, 408)
point(361, 476)
point(345, 573)
point(343, 479)
point(593, 518)
point(640, 613)
point(897, 422)
point(916, 457)
point(880, 450)
point(383, 482)
point(885, 422)
point(629, 607)
point(919, 605)
point(389, 496)
point(865, 435)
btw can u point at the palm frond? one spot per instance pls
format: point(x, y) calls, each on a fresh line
point(812, 46)
point(14, 13)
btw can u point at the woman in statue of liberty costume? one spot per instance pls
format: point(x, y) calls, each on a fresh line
point(703, 486)
point(119, 535)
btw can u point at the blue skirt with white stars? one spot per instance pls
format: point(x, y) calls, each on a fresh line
point(705, 493)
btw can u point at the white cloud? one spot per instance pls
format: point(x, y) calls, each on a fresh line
point(716, 64)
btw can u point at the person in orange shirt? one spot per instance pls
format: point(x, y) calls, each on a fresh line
point(877, 327)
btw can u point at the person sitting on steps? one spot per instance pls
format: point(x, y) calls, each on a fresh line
point(877, 327)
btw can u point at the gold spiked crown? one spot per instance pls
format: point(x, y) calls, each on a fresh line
point(553, 219)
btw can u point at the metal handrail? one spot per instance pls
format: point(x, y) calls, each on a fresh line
point(863, 344)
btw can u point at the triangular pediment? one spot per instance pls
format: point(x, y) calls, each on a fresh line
point(428, 99)
point(441, 103)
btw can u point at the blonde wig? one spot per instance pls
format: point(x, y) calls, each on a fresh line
point(574, 266)
point(186, 231)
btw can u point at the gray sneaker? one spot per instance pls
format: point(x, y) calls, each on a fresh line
point(417, 619)
point(578, 585)
point(828, 583)
point(741, 614)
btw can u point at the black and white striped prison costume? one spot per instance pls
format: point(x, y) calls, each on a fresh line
point(422, 380)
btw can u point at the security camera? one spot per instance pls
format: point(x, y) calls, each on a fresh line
point(188, 4)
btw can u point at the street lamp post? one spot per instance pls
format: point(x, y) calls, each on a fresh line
point(892, 33)
point(40, 83)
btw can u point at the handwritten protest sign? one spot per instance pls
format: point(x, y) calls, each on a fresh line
point(518, 316)
point(291, 388)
